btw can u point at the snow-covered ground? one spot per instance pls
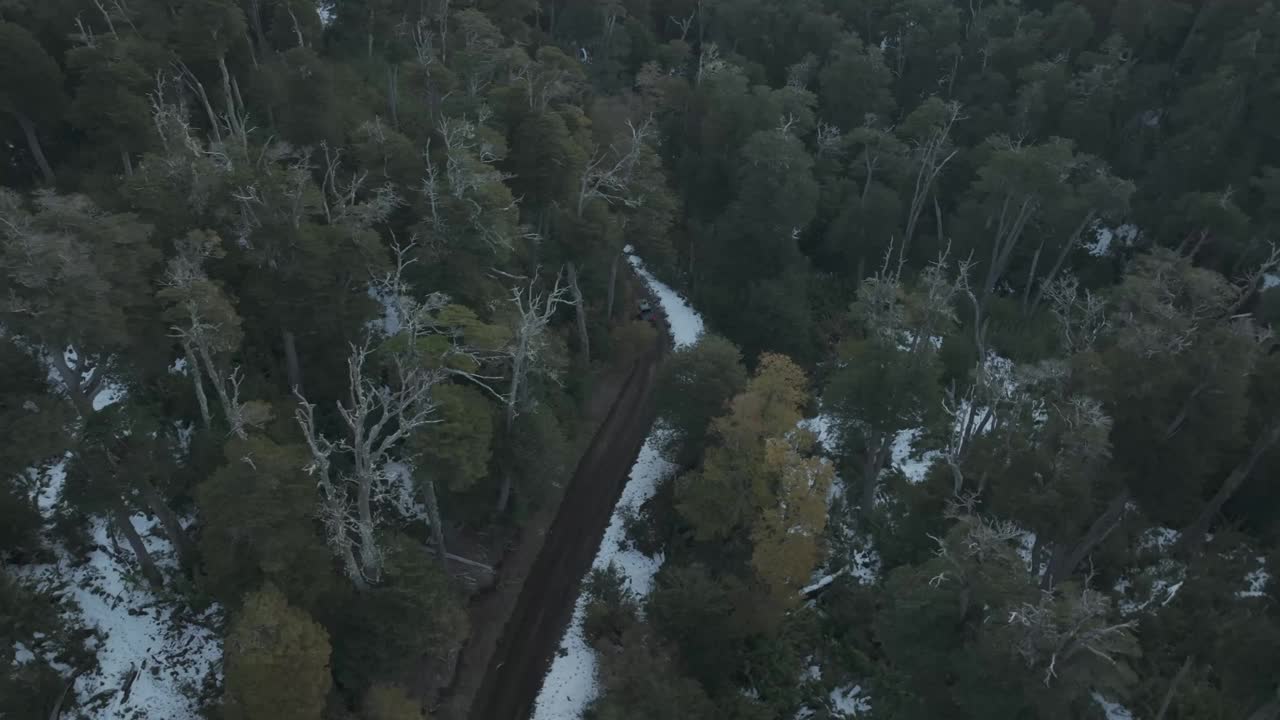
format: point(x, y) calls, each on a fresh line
point(153, 653)
point(685, 322)
point(571, 682)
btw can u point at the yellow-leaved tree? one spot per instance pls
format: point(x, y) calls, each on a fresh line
point(788, 532)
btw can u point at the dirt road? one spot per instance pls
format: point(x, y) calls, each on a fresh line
point(546, 601)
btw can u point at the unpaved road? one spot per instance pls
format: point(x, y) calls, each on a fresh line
point(546, 601)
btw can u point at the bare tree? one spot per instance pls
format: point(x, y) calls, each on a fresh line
point(207, 328)
point(932, 155)
point(609, 176)
point(376, 418)
point(357, 495)
point(534, 306)
point(1055, 630)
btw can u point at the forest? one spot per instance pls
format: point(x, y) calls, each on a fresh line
point(309, 310)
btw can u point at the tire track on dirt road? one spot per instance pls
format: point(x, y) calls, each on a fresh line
point(546, 601)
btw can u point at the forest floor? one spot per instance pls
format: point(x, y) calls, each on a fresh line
point(555, 547)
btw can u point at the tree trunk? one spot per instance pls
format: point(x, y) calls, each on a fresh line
point(230, 405)
point(193, 367)
point(581, 311)
point(871, 473)
point(120, 516)
point(33, 143)
point(71, 381)
point(1064, 563)
point(504, 491)
point(1062, 257)
point(613, 282)
point(1173, 689)
point(1037, 550)
point(1270, 710)
point(169, 521)
point(1031, 279)
point(1193, 535)
point(437, 522)
point(292, 367)
point(370, 565)
point(127, 162)
point(255, 21)
point(393, 92)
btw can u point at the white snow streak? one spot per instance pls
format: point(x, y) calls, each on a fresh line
point(848, 701)
point(570, 684)
point(685, 322)
point(1112, 711)
point(110, 394)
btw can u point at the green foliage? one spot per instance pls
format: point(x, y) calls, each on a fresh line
point(412, 613)
point(82, 271)
point(458, 447)
point(233, 177)
point(611, 606)
point(697, 613)
point(270, 639)
point(695, 385)
point(722, 495)
point(390, 702)
point(642, 681)
point(258, 511)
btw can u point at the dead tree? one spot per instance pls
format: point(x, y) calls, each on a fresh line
point(196, 300)
point(1046, 634)
point(357, 496)
point(932, 154)
point(534, 308)
point(609, 176)
point(376, 418)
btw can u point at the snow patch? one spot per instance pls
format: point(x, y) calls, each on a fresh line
point(327, 10)
point(570, 683)
point(685, 322)
point(848, 701)
point(398, 479)
point(1165, 580)
point(111, 393)
point(389, 323)
point(914, 466)
point(1256, 581)
point(160, 650)
point(1112, 711)
point(1158, 538)
point(823, 426)
point(821, 582)
point(22, 655)
point(1105, 237)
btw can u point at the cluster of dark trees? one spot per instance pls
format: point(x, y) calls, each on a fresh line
point(351, 269)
